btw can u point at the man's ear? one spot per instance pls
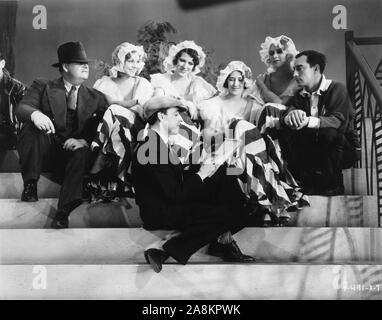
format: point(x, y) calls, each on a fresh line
point(317, 68)
point(160, 115)
point(65, 67)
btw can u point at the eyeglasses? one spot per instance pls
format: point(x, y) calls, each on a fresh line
point(278, 50)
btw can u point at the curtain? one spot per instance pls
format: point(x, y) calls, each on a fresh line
point(8, 11)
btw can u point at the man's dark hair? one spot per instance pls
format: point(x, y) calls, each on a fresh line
point(1, 56)
point(314, 58)
point(154, 117)
point(191, 52)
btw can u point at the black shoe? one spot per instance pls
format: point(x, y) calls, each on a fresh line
point(30, 191)
point(155, 258)
point(86, 190)
point(61, 220)
point(284, 221)
point(271, 222)
point(229, 252)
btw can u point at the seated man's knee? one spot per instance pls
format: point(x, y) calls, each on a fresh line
point(30, 137)
point(328, 136)
point(82, 150)
point(81, 153)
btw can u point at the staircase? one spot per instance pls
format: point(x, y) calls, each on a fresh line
point(332, 251)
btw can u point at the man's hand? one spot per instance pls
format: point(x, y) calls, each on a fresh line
point(74, 144)
point(304, 123)
point(296, 119)
point(42, 122)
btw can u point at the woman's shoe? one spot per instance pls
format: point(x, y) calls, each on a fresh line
point(269, 221)
point(284, 221)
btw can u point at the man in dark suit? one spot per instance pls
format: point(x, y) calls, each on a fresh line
point(319, 136)
point(201, 208)
point(59, 122)
point(11, 92)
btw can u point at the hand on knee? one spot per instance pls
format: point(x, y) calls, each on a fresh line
point(73, 144)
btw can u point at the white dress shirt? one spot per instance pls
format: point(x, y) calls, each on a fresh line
point(68, 87)
point(314, 120)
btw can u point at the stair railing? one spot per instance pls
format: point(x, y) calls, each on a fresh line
point(365, 92)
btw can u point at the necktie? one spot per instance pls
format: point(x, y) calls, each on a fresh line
point(173, 154)
point(71, 98)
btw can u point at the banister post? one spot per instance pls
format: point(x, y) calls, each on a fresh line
point(349, 36)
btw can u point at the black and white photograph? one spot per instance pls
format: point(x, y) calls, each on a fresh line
point(206, 151)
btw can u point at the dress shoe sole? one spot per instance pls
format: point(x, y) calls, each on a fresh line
point(157, 268)
point(232, 260)
point(29, 199)
point(57, 225)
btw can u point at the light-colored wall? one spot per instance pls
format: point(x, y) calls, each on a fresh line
point(234, 29)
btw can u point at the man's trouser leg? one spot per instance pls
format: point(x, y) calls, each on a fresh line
point(199, 225)
point(330, 153)
point(77, 163)
point(35, 148)
point(298, 147)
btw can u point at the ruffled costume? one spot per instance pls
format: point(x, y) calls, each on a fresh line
point(268, 120)
point(264, 176)
point(116, 135)
point(197, 91)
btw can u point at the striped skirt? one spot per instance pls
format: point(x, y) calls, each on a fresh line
point(115, 140)
point(263, 174)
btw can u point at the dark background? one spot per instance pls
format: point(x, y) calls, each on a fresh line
point(233, 29)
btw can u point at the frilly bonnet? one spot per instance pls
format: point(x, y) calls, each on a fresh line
point(119, 54)
point(174, 49)
point(283, 42)
point(231, 67)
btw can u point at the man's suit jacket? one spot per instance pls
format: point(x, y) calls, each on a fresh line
point(162, 190)
point(49, 97)
point(14, 90)
point(335, 109)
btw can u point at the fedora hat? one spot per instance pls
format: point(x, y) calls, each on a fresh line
point(161, 103)
point(71, 52)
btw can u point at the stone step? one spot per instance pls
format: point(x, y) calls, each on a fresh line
point(356, 181)
point(11, 185)
point(338, 211)
point(16, 214)
point(126, 246)
point(9, 161)
point(193, 281)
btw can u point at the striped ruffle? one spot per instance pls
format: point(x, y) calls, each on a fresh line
point(264, 174)
point(269, 117)
point(185, 142)
point(115, 136)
